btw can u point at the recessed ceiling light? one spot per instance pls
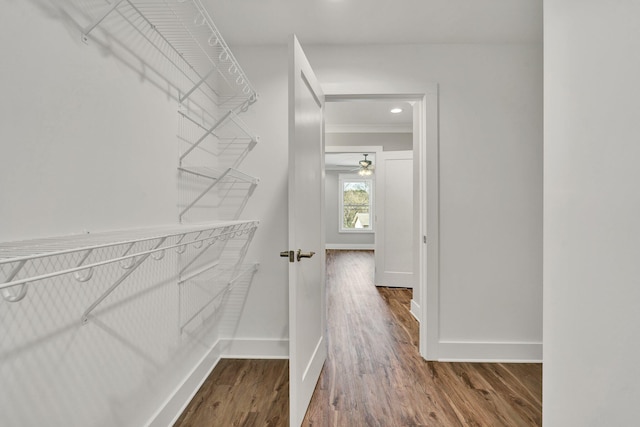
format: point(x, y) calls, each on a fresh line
point(396, 110)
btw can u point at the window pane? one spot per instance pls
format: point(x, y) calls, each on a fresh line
point(356, 204)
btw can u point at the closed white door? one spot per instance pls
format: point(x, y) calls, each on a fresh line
point(307, 342)
point(394, 219)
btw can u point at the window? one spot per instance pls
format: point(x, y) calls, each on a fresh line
point(356, 204)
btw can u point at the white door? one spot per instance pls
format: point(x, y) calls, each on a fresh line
point(394, 219)
point(307, 342)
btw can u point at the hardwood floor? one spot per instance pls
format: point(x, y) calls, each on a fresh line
point(374, 375)
point(241, 392)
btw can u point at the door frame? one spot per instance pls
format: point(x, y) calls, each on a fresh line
point(426, 163)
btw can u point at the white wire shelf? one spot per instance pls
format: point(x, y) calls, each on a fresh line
point(216, 176)
point(30, 261)
point(184, 34)
point(217, 130)
point(226, 278)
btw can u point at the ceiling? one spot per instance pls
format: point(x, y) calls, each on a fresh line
point(271, 22)
point(368, 116)
point(262, 22)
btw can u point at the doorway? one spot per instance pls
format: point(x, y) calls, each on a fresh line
point(362, 126)
point(368, 188)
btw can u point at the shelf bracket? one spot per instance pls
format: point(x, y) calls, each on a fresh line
point(241, 124)
point(207, 133)
point(206, 190)
point(197, 85)
point(195, 258)
point(252, 269)
point(22, 292)
point(198, 272)
point(80, 277)
point(138, 262)
point(97, 22)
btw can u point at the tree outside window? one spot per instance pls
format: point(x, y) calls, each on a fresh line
point(356, 204)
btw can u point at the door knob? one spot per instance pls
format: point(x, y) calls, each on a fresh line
point(287, 254)
point(304, 255)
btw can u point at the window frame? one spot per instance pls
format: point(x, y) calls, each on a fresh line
point(342, 178)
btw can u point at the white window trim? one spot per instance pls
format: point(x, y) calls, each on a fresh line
point(355, 177)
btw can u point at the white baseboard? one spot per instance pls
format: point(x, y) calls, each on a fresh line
point(255, 349)
point(178, 401)
point(504, 352)
point(415, 310)
point(350, 246)
point(224, 348)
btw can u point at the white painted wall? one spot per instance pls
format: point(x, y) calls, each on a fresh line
point(592, 206)
point(389, 141)
point(491, 180)
point(72, 111)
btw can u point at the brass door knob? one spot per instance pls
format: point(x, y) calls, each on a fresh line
point(304, 255)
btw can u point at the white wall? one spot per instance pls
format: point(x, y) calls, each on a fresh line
point(491, 179)
point(592, 206)
point(71, 111)
point(389, 141)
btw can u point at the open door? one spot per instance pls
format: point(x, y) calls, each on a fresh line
point(307, 319)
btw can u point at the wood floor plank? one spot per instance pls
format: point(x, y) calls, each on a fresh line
point(241, 392)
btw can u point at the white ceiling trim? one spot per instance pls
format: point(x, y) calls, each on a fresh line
point(382, 128)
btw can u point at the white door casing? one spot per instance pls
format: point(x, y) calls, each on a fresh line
point(394, 219)
point(426, 158)
point(307, 316)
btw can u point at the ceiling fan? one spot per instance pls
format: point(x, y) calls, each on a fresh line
point(366, 167)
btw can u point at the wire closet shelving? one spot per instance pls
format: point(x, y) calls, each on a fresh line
point(204, 71)
point(184, 35)
point(79, 255)
point(213, 91)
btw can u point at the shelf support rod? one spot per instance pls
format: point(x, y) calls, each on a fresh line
point(207, 133)
point(199, 272)
point(185, 210)
point(251, 269)
point(90, 28)
point(241, 124)
point(195, 258)
point(85, 315)
point(193, 89)
point(223, 291)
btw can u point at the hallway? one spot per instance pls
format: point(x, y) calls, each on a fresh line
point(374, 375)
